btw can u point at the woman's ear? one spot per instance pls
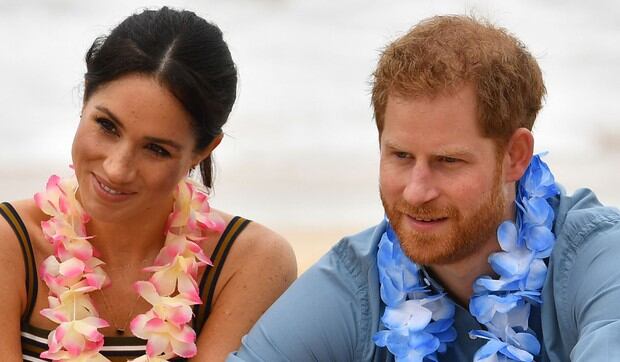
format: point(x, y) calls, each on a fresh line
point(518, 154)
point(207, 150)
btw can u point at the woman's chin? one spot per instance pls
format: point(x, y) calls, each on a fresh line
point(105, 214)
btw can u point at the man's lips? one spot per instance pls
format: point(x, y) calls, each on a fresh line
point(427, 218)
point(425, 223)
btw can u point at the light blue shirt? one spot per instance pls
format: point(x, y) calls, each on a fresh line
point(332, 311)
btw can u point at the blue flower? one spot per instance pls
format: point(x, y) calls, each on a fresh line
point(420, 324)
point(445, 337)
point(537, 212)
point(439, 326)
point(502, 324)
point(441, 307)
point(408, 346)
point(519, 351)
point(423, 343)
point(486, 284)
point(484, 307)
point(397, 277)
point(390, 293)
point(409, 314)
point(507, 236)
point(513, 264)
point(537, 275)
point(525, 342)
point(540, 240)
point(538, 181)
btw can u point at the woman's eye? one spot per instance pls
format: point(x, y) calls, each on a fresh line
point(107, 125)
point(158, 150)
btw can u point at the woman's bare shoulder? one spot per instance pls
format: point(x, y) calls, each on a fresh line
point(31, 216)
point(261, 245)
point(26, 213)
point(11, 256)
point(12, 289)
point(260, 266)
point(12, 267)
point(259, 255)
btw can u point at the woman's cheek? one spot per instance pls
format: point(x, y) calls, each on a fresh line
point(168, 178)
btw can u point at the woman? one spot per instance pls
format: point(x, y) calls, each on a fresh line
point(120, 255)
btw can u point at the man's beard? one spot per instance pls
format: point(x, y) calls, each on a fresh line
point(465, 236)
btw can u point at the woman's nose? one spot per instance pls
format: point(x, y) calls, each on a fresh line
point(118, 166)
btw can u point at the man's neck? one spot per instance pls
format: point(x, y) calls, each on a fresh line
point(458, 278)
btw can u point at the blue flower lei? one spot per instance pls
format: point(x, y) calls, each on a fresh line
point(420, 322)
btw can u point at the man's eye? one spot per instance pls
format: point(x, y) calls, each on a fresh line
point(107, 125)
point(158, 150)
point(447, 159)
point(402, 154)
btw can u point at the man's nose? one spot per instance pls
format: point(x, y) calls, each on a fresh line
point(421, 186)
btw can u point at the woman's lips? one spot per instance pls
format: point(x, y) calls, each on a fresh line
point(109, 193)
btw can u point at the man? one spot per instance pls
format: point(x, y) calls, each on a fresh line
point(481, 256)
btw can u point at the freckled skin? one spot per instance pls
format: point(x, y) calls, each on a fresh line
point(123, 157)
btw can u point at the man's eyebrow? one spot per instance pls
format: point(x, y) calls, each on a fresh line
point(390, 145)
point(116, 120)
point(447, 151)
point(457, 151)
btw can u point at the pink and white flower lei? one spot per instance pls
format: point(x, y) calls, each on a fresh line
point(74, 271)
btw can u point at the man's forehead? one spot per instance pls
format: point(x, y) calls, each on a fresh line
point(447, 112)
point(451, 90)
point(453, 149)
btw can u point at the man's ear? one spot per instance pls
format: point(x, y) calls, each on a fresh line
point(207, 151)
point(518, 154)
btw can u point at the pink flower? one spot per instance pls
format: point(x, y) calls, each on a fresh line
point(178, 273)
point(176, 266)
point(176, 245)
point(175, 309)
point(72, 303)
point(191, 212)
point(66, 241)
point(165, 325)
point(74, 271)
point(164, 337)
point(71, 339)
point(88, 355)
point(61, 275)
point(59, 199)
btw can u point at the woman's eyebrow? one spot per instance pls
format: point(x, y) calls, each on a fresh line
point(112, 116)
point(120, 124)
point(164, 141)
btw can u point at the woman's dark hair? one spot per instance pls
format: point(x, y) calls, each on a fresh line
point(182, 51)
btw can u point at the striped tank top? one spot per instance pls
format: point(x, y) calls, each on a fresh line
point(34, 340)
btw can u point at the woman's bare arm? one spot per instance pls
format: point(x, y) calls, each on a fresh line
point(260, 267)
point(12, 293)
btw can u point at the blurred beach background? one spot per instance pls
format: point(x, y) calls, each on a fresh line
point(300, 153)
